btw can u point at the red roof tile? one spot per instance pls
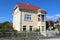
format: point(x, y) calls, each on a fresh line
point(28, 6)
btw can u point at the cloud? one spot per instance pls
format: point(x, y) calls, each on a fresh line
point(50, 16)
point(2, 18)
point(53, 17)
point(57, 15)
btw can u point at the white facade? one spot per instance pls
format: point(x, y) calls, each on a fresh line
point(19, 21)
point(16, 20)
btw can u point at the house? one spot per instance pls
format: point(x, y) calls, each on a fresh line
point(57, 24)
point(28, 17)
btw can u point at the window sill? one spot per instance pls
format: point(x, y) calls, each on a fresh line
point(43, 21)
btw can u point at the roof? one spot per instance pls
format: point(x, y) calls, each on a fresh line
point(49, 21)
point(28, 6)
point(55, 22)
point(58, 18)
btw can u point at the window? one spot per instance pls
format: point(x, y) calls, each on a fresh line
point(42, 28)
point(27, 17)
point(38, 17)
point(30, 28)
point(42, 17)
point(24, 28)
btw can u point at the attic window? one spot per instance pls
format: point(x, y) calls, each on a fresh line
point(15, 8)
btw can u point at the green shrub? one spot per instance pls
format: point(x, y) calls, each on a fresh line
point(37, 30)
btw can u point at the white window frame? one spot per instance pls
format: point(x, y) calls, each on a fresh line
point(27, 17)
point(31, 28)
point(24, 28)
point(43, 18)
point(43, 28)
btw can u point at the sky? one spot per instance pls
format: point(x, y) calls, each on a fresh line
point(52, 7)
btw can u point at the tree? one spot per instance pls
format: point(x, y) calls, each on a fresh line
point(52, 23)
point(47, 25)
point(7, 24)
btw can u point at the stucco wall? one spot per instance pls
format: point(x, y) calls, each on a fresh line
point(16, 19)
point(33, 22)
point(42, 23)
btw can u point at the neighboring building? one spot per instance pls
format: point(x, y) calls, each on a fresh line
point(27, 17)
point(50, 24)
point(57, 23)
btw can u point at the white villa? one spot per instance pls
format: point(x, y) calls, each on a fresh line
point(27, 17)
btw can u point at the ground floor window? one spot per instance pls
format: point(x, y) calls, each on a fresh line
point(42, 28)
point(30, 28)
point(24, 28)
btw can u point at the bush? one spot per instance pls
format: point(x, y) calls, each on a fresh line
point(7, 33)
point(37, 30)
